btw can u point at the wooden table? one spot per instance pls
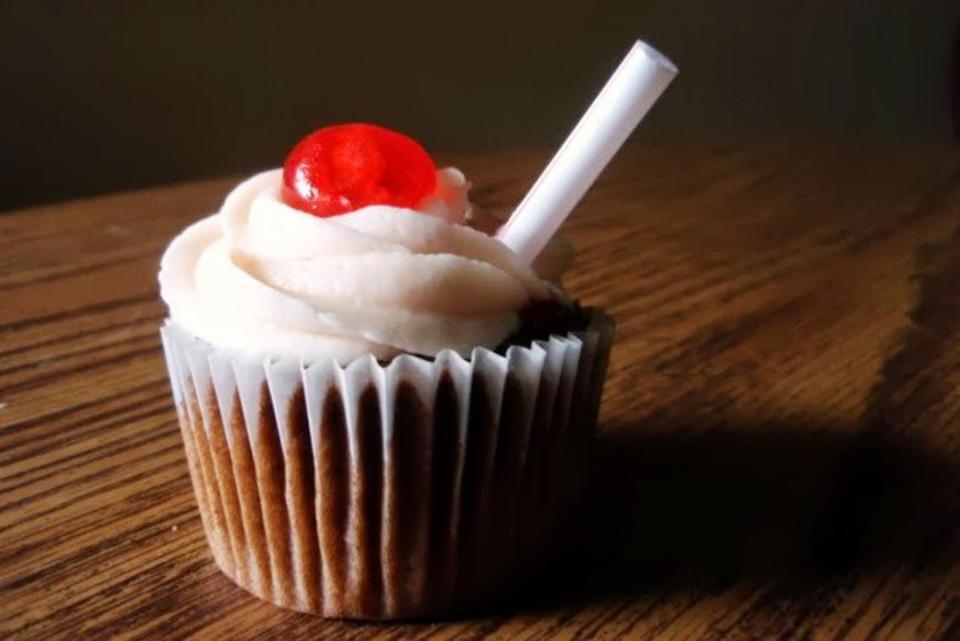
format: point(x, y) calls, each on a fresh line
point(781, 427)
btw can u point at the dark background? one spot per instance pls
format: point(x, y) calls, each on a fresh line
point(101, 96)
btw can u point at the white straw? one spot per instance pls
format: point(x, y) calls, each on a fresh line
point(616, 111)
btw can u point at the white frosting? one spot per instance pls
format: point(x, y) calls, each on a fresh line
point(265, 278)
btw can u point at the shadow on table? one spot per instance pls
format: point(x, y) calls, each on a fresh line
point(796, 504)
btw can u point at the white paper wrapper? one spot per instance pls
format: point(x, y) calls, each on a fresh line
point(381, 491)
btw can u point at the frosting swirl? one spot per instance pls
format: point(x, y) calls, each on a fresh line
point(265, 278)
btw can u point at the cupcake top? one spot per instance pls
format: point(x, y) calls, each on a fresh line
point(359, 245)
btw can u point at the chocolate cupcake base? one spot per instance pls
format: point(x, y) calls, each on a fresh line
point(413, 488)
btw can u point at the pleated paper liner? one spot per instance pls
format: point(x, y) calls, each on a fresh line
point(376, 491)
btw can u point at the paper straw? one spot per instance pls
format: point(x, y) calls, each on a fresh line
point(616, 111)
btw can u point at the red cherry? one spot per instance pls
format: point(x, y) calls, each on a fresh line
point(345, 167)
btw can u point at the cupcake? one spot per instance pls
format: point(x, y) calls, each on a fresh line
point(382, 405)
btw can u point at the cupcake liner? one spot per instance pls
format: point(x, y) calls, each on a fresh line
point(378, 491)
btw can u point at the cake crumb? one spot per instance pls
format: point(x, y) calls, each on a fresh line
point(174, 528)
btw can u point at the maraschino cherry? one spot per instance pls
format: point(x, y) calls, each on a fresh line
point(345, 167)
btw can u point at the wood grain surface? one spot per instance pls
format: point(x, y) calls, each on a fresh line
point(780, 432)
